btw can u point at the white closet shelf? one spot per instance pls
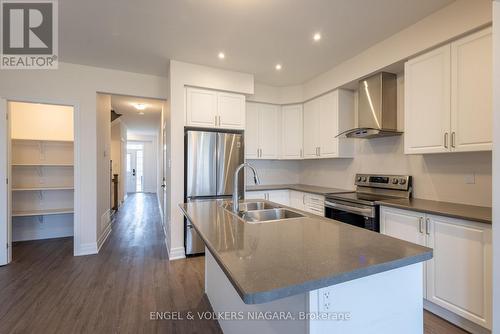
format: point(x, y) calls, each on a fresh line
point(44, 140)
point(46, 212)
point(42, 165)
point(42, 188)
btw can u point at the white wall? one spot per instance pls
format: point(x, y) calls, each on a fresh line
point(41, 121)
point(77, 85)
point(181, 75)
point(275, 171)
point(118, 155)
point(103, 217)
point(496, 167)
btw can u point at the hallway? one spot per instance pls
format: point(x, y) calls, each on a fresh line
point(46, 289)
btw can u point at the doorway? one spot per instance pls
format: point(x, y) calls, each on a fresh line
point(135, 167)
point(41, 172)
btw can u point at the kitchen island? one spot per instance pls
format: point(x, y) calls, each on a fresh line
point(307, 275)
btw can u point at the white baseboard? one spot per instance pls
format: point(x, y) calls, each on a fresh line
point(104, 236)
point(176, 253)
point(86, 249)
point(455, 319)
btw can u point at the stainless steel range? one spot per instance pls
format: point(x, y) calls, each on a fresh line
point(359, 207)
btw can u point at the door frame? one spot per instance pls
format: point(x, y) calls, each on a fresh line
point(77, 199)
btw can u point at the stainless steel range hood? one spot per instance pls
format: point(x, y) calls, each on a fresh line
point(377, 108)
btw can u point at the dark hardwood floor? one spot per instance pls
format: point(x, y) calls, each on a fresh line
point(47, 290)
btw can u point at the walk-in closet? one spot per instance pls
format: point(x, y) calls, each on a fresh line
point(42, 172)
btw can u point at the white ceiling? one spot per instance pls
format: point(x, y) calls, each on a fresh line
point(140, 36)
point(145, 125)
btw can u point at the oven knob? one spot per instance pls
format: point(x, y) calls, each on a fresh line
point(402, 181)
point(394, 181)
point(358, 178)
point(363, 179)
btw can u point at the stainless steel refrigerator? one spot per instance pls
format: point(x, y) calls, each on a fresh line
point(210, 161)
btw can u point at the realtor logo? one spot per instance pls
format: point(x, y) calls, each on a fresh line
point(29, 34)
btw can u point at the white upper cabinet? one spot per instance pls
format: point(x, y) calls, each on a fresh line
point(291, 132)
point(262, 131)
point(201, 107)
point(427, 102)
point(324, 118)
point(471, 93)
point(231, 109)
point(252, 131)
point(212, 109)
point(311, 129)
point(448, 97)
point(269, 131)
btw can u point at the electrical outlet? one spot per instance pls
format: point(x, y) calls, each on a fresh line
point(326, 300)
point(470, 178)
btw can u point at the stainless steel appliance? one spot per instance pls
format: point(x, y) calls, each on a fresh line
point(360, 207)
point(211, 159)
point(377, 107)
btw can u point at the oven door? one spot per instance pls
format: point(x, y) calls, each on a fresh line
point(364, 216)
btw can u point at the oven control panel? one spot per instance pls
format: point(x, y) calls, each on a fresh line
point(399, 182)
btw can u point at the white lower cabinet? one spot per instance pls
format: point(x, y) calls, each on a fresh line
point(459, 276)
point(278, 196)
point(311, 203)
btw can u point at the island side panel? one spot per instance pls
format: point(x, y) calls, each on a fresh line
point(224, 298)
point(390, 302)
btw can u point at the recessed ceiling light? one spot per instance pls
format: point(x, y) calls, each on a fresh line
point(221, 55)
point(141, 113)
point(140, 106)
point(317, 36)
point(278, 67)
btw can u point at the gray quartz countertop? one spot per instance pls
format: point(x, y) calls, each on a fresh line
point(299, 187)
point(455, 210)
point(273, 260)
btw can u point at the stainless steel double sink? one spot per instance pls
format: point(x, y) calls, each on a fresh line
point(260, 212)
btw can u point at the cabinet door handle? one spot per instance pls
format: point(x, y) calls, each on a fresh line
point(319, 151)
point(421, 224)
point(301, 153)
point(215, 122)
point(453, 139)
point(446, 140)
point(427, 226)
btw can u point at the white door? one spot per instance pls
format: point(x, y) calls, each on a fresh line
point(311, 129)
point(471, 92)
point(252, 131)
point(231, 111)
point(459, 276)
point(328, 125)
point(427, 102)
point(201, 107)
point(5, 240)
point(269, 131)
point(291, 132)
point(131, 171)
